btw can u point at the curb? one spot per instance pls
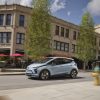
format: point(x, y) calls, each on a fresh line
point(4, 74)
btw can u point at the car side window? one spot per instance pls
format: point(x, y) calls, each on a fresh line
point(66, 61)
point(50, 63)
point(59, 61)
point(55, 62)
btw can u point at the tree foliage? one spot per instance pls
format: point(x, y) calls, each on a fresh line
point(38, 36)
point(86, 40)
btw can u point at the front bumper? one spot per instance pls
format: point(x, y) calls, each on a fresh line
point(31, 73)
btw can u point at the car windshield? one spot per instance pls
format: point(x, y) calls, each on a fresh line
point(44, 60)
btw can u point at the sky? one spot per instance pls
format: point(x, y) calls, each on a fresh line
point(72, 10)
point(68, 10)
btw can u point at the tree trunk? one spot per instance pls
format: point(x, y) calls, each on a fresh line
point(84, 65)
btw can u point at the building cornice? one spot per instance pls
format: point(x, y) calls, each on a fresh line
point(28, 10)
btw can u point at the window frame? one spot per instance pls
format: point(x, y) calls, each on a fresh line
point(74, 35)
point(67, 33)
point(5, 37)
point(62, 31)
point(73, 48)
point(20, 37)
point(21, 20)
point(67, 47)
point(62, 46)
point(58, 46)
point(8, 19)
point(57, 30)
point(1, 19)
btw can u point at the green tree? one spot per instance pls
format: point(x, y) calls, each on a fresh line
point(38, 36)
point(86, 40)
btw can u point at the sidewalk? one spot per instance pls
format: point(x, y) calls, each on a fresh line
point(70, 91)
point(12, 72)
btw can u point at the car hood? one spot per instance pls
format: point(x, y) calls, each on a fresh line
point(36, 65)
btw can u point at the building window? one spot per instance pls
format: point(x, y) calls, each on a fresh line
point(8, 19)
point(67, 47)
point(20, 38)
point(67, 33)
point(73, 48)
point(5, 37)
point(1, 19)
point(74, 35)
point(21, 20)
point(57, 30)
point(62, 46)
point(57, 45)
point(62, 31)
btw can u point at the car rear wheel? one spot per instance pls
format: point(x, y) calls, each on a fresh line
point(73, 73)
point(45, 75)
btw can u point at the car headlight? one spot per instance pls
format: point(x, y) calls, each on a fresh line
point(35, 70)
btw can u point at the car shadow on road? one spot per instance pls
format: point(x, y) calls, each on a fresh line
point(58, 78)
point(64, 78)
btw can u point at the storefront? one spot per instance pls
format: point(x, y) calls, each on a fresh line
point(5, 51)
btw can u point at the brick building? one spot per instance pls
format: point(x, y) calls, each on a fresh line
point(13, 27)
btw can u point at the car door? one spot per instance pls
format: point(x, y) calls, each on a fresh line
point(57, 66)
point(67, 65)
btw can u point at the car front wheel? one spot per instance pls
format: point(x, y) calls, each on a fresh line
point(73, 73)
point(44, 75)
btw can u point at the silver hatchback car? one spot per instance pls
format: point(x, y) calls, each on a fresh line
point(52, 66)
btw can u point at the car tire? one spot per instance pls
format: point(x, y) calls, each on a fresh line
point(44, 75)
point(73, 73)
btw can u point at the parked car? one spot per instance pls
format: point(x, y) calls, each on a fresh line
point(52, 66)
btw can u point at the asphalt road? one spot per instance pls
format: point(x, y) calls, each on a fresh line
point(21, 81)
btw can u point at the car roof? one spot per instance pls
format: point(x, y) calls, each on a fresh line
point(60, 57)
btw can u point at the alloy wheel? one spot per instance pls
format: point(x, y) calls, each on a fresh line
point(44, 75)
point(73, 74)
